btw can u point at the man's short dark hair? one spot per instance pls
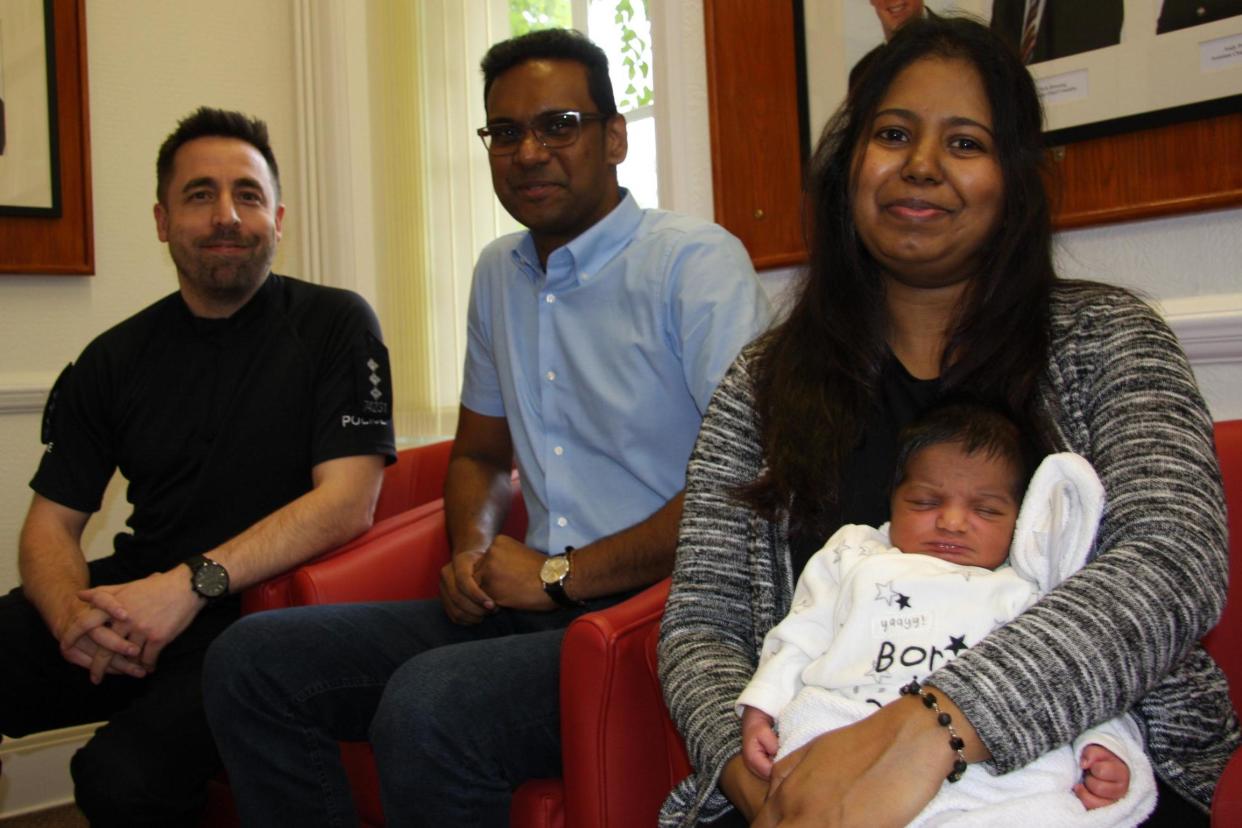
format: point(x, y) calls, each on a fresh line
point(553, 44)
point(206, 122)
point(973, 427)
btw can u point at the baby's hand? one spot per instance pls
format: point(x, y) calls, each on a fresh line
point(759, 742)
point(1105, 778)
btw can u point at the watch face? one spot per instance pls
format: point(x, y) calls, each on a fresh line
point(554, 569)
point(211, 580)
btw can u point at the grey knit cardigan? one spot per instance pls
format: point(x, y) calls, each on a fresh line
point(1121, 634)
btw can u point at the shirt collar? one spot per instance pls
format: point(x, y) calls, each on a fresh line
point(253, 309)
point(589, 252)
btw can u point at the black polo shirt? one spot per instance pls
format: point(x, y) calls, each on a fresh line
point(216, 423)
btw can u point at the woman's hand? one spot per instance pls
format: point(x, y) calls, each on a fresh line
point(745, 790)
point(880, 771)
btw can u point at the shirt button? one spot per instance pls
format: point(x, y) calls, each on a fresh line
point(550, 299)
point(558, 451)
point(584, 276)
point(561, 522)
point(551, 375)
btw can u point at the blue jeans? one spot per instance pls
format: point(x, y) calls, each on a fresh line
point(457, 716)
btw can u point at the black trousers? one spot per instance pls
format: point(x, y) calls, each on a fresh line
point(150, 763)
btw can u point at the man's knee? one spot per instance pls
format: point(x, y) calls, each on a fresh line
point(464, 698)
point(118, 783)
point(428, 698)
point(238, 656)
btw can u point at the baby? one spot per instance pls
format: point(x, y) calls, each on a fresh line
point(875, 610)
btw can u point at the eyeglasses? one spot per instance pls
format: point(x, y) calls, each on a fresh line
point(554, 130)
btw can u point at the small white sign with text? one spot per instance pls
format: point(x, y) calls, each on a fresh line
point(1063, 88)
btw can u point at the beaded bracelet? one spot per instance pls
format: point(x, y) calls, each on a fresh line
point(955, 742)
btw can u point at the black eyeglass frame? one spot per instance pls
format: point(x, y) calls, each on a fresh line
point(531, 127)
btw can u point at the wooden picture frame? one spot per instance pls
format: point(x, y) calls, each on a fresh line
point(66, 244)
point(757, 117)
point(29, 168)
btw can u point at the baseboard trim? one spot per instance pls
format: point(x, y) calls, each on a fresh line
point(48, 738)
point(36, 770)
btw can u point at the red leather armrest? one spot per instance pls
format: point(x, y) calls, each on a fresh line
point(277, 592)
point(1227, 802)
point(400, 563)
point(619, 760)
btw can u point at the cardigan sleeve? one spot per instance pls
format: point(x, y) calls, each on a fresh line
point(1122, 394)
point(708, 644)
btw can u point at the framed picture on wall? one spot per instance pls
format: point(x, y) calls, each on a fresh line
point(29, 157)
point(1102, 66)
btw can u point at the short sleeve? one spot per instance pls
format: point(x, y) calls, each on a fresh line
point(79, 445)
point(718, 307)
point(353, 390)
point(480, 390)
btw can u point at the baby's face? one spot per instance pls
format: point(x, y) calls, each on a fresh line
point(956, 507)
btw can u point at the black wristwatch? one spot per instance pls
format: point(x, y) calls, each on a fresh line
point(208, 578)
point(554, 572)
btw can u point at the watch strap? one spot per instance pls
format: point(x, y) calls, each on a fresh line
point(556, 589)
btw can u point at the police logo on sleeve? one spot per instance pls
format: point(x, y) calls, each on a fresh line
point(373, 380)
point(47, 430)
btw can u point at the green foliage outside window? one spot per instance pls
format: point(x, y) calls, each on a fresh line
point(532, 15)
point(636, 56)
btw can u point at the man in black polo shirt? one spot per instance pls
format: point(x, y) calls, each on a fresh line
point(251, 415)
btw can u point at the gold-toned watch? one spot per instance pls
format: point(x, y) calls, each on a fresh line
point(554, 572)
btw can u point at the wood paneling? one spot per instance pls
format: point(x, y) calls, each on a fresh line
point(66, 244)
point(752, 86)
point(1178, 168)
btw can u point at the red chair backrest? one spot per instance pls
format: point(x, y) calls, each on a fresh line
point(416, 478)
point(1224, 642)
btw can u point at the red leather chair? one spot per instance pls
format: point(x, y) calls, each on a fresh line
point(1225, 641)
point(621, 753)
point(413, 488)
point(400, 565)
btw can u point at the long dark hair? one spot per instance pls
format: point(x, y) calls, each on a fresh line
point(817, 373)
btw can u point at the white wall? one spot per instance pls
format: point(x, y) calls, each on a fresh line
point(150, 62)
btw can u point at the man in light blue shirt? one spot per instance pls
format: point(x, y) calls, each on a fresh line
point(596, 340)
point(601, 367)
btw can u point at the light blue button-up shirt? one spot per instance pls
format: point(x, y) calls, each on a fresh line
point(604, 365)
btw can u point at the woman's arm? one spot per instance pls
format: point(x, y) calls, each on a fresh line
point(708, 643)
point(1125, 398)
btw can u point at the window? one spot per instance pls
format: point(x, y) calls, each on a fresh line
point(622, 29)
point(434, 206)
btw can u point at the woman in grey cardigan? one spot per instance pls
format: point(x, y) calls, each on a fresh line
point(931, 274)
